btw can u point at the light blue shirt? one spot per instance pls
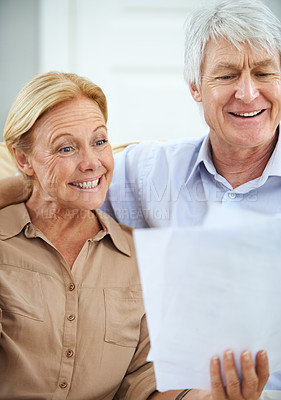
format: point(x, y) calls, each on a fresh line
point(160, 184)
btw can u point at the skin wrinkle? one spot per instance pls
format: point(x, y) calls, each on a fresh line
point(246, 166)
point(83, 128)
point(53, 141)
point(221, 67)
point(240, 82)
point(81, 153)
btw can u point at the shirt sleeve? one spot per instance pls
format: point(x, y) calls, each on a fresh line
point(274, 382)
point(124, 197)
point(139, 381)
point(271, 395)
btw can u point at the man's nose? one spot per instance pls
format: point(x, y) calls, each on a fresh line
point(246, 90)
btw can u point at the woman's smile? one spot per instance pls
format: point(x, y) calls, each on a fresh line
point(87, 184)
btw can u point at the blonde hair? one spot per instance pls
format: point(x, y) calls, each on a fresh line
point(41, 94)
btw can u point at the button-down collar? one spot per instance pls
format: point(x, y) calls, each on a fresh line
point(15, 218)
point(273, 167)
point(91, 317)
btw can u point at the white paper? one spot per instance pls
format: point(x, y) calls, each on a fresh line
point(208, 289)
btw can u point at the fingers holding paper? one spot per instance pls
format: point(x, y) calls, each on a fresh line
point(250, 387)
point(254, 377)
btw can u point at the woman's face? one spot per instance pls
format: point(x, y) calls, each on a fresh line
point(71, 160)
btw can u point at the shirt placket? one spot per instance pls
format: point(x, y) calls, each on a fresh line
point(69, 339)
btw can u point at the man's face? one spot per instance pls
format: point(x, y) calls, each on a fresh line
point(241, 95)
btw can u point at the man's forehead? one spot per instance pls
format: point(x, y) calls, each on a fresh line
point(222, 52)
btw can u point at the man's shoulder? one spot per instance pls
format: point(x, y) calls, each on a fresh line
point(158, 151)
point(185, 147)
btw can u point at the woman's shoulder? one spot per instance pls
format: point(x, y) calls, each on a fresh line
point(12, 220)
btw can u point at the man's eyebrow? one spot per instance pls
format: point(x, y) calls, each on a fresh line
point(224, 65)
point(264, 63)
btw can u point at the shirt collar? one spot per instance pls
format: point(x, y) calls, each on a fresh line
point(273, 167)
point(15, 218)
point(114, 230)
point(204, 156)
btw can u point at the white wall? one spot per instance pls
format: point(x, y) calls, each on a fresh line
point(18, 49)
point(133, 49)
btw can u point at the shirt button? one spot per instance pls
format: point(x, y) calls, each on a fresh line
point(71, 287)
point(69, 353)
point(63, 385)
point(71, 317)
point(231, 195)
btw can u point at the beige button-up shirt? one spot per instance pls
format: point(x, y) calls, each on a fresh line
point(77, 334)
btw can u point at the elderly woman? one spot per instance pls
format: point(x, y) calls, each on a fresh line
point(72, 320)
point(72, 317)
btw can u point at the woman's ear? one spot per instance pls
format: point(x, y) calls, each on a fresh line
point(195, 92)
point(23, 161)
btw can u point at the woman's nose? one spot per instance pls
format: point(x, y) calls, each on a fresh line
point(89, 161)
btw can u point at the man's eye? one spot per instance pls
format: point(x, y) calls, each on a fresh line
point(226, 77)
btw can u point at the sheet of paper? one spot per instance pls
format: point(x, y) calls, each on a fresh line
point(208, 289)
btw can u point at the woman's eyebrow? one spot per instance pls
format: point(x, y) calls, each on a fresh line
point(99, 127)
point(62, 135)
point(59, 137)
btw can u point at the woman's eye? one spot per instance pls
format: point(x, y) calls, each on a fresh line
point(100, 142)
point(66, 149)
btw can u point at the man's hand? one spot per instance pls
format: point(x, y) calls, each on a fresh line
point(250, 387)
point(13, 190)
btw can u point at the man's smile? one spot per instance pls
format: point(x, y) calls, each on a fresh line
point(247, 114)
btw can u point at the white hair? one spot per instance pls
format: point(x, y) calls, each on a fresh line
point(240, 22)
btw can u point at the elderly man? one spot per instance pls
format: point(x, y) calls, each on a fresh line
point(232, 66)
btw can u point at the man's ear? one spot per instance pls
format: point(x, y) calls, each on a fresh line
point(195, 93)
point(23, 161)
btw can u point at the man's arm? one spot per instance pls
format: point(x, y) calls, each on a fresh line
point(13, 190)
